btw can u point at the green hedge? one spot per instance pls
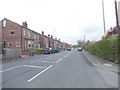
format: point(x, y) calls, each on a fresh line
point(106, 48)
point(39, 50)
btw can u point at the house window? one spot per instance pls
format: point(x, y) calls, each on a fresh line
point(32, 43)
point(4, 23)
point(35, 36)
point(38, 37)
point(25, 45)
point(29, 44)
point(9, 44)
point(24, 32)
point(17, 44)
point(28, 34)
point(12, 32)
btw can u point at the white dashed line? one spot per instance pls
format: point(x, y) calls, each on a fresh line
point(11, 68)
point(59, 60)
point(48, 61)
point(33, 66)
point(39, 73)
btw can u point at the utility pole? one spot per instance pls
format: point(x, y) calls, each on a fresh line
point(84, 42)
point(116, 13)
point(103, 15)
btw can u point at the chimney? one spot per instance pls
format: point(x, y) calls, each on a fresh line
point(55, 38)
point(48, 35)
point(24, 24)
point(42, 32)
point(51, 36)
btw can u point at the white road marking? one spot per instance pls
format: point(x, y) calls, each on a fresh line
point(59, 60)
point(67, 55)
point(48, 61)
point(39, 73)
point(108, 65)
point(10, 68)
point(36, 61)
point(33, 66)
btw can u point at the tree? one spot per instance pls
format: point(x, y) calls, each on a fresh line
point(80, 43)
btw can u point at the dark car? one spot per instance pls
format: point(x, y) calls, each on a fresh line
point(54, 50)
point(68, 49)
point(79, 49)
point(47, 51)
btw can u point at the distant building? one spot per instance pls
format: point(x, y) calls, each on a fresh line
point(44, 42)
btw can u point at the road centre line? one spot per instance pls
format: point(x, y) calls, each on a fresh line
point(59, 60)
point(66, 55)
point(10, 68)
point(33, 66)
point(39, 73)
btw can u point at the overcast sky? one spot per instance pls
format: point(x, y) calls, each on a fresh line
point(68, 20)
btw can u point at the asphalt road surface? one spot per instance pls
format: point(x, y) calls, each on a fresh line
point(67, 69)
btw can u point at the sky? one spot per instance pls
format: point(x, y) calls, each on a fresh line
point(68, 20)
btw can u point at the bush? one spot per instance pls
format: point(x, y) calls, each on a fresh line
point(106, 49)
point(39, 50)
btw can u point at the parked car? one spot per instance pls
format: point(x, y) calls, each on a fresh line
point(54, 50)
point(68, 49)
point(80, 49)
point(47, 51)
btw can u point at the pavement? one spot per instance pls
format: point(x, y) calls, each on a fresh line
point(67, 69)
point(101, 63)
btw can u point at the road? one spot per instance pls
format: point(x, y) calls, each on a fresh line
point(67, 69)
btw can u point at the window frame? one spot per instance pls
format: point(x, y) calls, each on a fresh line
point(12, 31)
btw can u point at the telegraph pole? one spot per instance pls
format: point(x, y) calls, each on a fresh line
point(116, 13)
point(103, 15)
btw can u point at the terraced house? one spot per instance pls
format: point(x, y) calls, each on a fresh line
point(19, 39)
point(30, 39)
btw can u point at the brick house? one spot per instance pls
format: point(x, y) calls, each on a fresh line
point(56, 43)
point(19, 36)
point(44, 41)
point(11, 34)
point(51, 41)
point(0, 38)
point(30, 39)
point(11, 39)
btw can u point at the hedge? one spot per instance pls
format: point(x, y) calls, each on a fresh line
point(39, 50)
point(106, 49)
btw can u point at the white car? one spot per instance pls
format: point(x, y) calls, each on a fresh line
point(80, 49)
